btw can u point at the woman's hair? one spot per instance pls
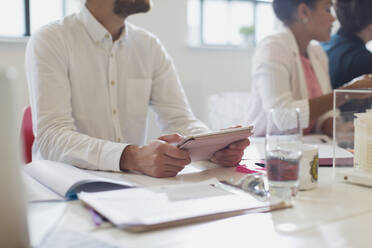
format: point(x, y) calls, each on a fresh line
point(354, 15)
point(285, 9)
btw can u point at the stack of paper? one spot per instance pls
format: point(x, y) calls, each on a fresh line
point(141, 209)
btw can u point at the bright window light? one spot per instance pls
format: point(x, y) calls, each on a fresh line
point(12, 18)
point(42, 12)
point(230, 22)
point(14, 21)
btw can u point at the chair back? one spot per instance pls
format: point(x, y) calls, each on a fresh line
point(27, 135)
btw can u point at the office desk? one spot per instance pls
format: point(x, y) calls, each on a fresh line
point(332, 215)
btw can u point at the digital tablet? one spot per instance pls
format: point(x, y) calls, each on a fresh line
point(203, 146)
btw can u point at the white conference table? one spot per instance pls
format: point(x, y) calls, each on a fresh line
point(332, 215)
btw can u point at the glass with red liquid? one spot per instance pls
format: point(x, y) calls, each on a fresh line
point(283, 151)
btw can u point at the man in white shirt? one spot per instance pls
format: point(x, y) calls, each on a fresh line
point(91, 79)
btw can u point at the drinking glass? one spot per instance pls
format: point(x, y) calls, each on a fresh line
point(283, 151)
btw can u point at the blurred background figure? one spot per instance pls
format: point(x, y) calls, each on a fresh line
point(348, 56)
point(289, 71)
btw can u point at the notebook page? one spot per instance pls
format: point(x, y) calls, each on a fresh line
point(36, 192)
point(62, 178)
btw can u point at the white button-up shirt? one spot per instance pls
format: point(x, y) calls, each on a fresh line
point(90, 96)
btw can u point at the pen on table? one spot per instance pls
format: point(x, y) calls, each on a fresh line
point(260, 164)
point(97, 219)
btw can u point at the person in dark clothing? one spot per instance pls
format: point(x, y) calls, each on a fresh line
point(348, 56)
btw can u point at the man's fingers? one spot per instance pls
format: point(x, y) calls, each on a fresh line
point(228, 153)
point(229, 159)
point(172, 168)
point(241, 144)
point(163, 159)
point(171, 138)
point(165, 170)
point(224, 163)
point(173, 151)
point(180, 163)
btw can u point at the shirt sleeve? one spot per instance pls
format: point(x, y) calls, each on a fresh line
point(168, 99)
point(56, 135)
point(272, 75)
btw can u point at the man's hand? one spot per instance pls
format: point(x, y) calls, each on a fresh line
point(158, 159)
point(231, 155)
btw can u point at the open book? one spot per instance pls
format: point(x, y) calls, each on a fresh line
point(67, 180)
point(144, 209)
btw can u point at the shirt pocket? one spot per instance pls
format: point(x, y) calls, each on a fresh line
point(138, 91)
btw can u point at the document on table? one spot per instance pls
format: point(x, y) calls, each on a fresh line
point(326, 154)
point(141, 209)
point(43, 217)
point(256, 151)
point(36, 192)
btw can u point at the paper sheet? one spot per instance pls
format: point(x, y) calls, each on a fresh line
point(42, 218)
point(256, 151)
point(64, 179)
point(142, 206)
point(36, 192)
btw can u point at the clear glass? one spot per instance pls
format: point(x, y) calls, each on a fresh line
point(283, 151)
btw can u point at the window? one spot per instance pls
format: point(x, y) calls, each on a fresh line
point(22, 17)
point(230, 22)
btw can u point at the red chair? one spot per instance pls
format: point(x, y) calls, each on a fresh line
point(27, 136)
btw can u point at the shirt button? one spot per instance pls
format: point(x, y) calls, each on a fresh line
point(112, 55)
point(118, 139)
point(114, 111)
point(97, 43)
point(107, 36)
point(112, 83)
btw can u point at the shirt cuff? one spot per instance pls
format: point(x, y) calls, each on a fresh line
point(110, 156)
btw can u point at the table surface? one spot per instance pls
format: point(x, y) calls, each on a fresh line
point(332, 215)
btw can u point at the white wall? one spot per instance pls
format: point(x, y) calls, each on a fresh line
point(12, 55)
point(203, 71)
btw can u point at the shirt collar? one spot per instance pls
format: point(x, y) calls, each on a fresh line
point(95, 29)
